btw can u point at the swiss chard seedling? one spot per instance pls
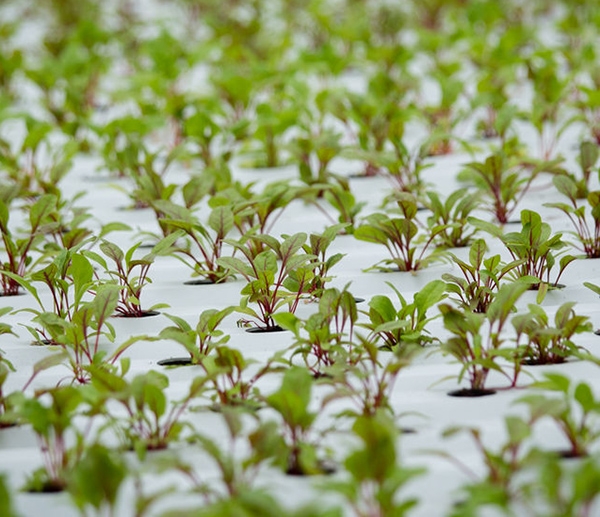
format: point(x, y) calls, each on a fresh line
point(406, 324)
point(400, 235)
point(270, 284)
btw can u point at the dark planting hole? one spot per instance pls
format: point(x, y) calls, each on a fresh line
point(176, 361)
point(470, 392)
point(261, 330)
point(198, 281)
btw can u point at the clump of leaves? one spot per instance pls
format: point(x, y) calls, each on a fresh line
point(481, 277)
point(325, 337)
point(572, 406)
point(152, 422)
point(502, 182)
point(535, 247)
point(207, 239)
point(452, 214)
point(201, 340)
point(130, 274)
point(271, 284)
point(19, 249)
point(477, 338)
point(400, 235)
point(588, 237)
point(543, 343)
point(376, 476)
point(52, 422)
point(405, 325)
point(292, 402)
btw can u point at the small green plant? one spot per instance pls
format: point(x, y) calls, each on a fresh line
point(502, 181)
point(19, 249)
point(108, 469)
point(481, 277)
point(572, 406)
point(587, 159)
point(367, 380)
point(537, 249)
point(201, 340)
point(406, 325)
point(373, 486)
point(477, 338)
point(551, 89)
point(500, 486)
point(400, 235)
point(206, 239)
point(233, 378)
point(130, 274)
point(152, 422)
point(270, 284)
point(542, 343)
point(588, 237)
point(325, 337)
point(52, 422)
point(317, 246)
point(452, 214)
point(291, 401)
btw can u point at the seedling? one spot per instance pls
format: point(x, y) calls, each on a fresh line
point(588, 237)
point(52, 423)
point(130, 275)
point(477, 338)
point(574, 410)
point(325, 337)
point(542, 343)
point(108, 469)
point(228, 372)
point(404, 326)
point(368, 379)
point(400, 236)
point(481, 277)
point(535, 247)
point(500, 486)
point(152, 423)
point(206, 239)
point(271, 285)
point(291, 401)
point(201, 340)
point(452, 214)
point(502, 181)
point(317, 246)
point(376, 474)
point(19, 249)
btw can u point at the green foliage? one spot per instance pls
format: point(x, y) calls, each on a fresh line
point(52, 423)
point(270, 283)
point(481, 278)
point(476, 338)
point(130, 274)
point(107, 468)
point(501, 181)
point(19, 249)
point(376, 475)
point(543, 343)
point(207, 238)
point(324, 339)
point(400, 236)
point(587, 236)
point(152, 421)
point(291, 401)
point(452, 214)
point(399, 327)
point(571, 405)
point(201, 340)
